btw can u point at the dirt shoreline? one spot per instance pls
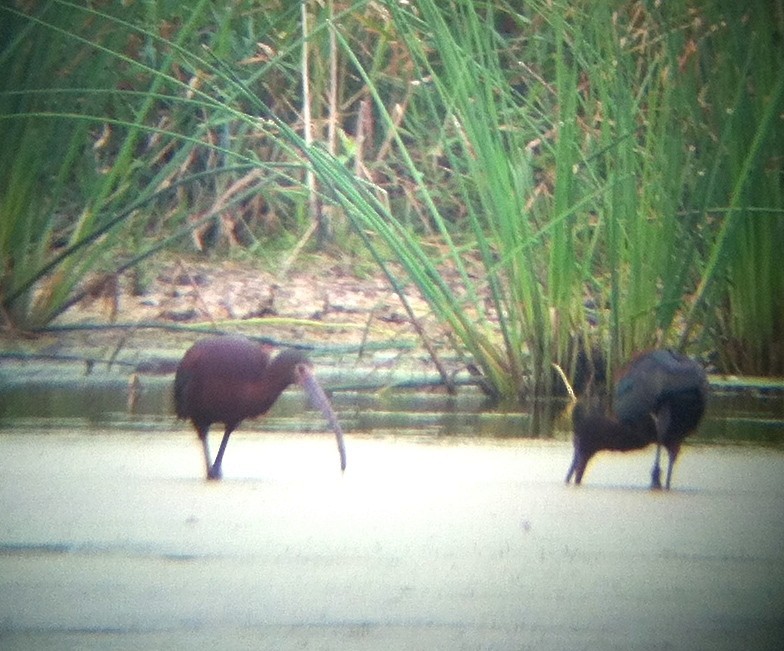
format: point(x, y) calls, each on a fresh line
point(327, 307)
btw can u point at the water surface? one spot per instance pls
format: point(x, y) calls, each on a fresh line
point(450, 529)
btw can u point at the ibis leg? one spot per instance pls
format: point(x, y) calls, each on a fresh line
point(577, 468)
point(673, 454)
point(570, 473)
point(203, 431)
point(662, 419)
point(215, 472)
point(656, 472)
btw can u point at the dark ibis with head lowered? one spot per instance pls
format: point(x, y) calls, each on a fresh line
point(227, 379)
point(660, 398)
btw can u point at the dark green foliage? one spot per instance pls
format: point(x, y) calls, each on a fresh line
point(546, 174)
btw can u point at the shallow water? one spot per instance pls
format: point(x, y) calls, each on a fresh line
point(101, 400)
point(448, 530)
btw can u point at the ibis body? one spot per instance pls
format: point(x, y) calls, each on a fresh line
point(227, 379)
point(660, 398)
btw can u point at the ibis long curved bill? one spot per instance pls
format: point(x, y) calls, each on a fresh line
point(320, 401)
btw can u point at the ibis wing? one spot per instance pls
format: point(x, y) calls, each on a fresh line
point(650, 378)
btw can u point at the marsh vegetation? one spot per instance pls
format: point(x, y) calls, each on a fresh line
point(548, 179)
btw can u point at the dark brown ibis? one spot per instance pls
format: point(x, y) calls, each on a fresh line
point(660, 398)
point(227, 379)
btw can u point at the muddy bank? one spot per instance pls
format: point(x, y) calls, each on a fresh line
point(328, 305)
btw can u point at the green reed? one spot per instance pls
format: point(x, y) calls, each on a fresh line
point(546, 177)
